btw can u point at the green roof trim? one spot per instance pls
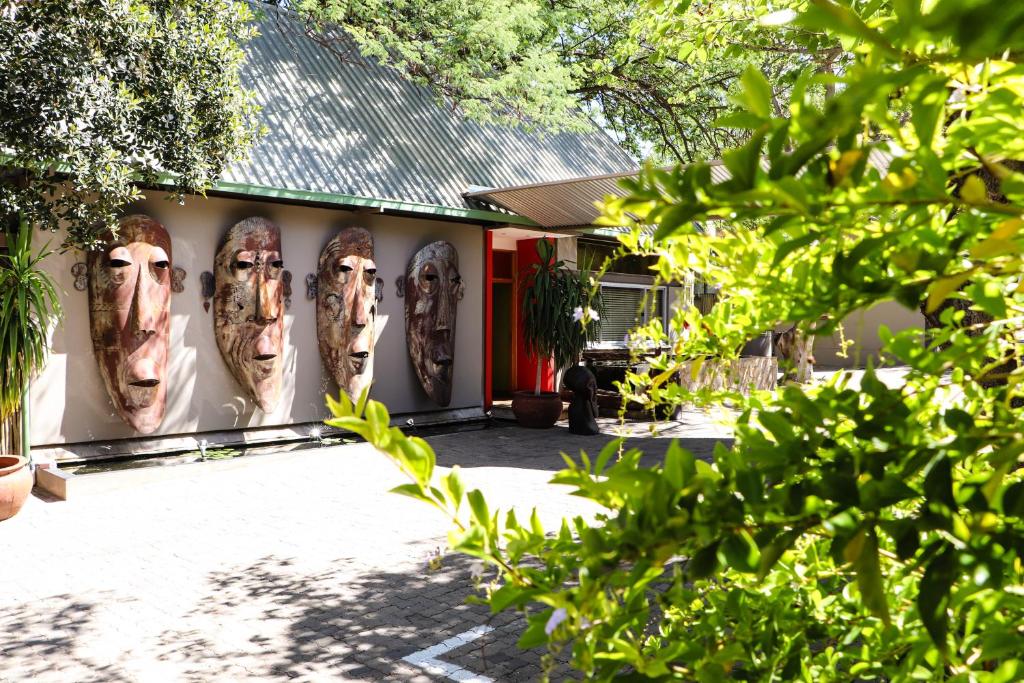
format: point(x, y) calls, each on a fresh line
point(353, 201)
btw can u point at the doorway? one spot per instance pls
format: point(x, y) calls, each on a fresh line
point(503, 336)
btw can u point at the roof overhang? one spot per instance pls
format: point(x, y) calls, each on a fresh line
point(572, 205)
point(560, 204)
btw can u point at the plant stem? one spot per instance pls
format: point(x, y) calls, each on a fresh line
point(26, 442)
point(536, 387)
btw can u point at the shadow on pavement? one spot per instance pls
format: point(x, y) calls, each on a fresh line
point(348, 624)
point(508, 445)
point(50, 645)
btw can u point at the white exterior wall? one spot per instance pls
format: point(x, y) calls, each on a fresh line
point(861, 327)
point(71, 405)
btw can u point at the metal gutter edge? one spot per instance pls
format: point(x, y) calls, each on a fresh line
point(353, 201)
point(165, 182)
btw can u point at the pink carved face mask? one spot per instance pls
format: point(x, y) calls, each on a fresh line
point(346, 309)
point(248, 308)
point(130, 319)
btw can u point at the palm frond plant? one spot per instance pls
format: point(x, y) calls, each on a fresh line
point(561, 311)
point(29, 306)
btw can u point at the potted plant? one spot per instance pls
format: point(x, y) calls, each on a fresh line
point(28, 306)
point(561, 315)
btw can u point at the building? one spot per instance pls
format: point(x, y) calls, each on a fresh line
point(349, 144)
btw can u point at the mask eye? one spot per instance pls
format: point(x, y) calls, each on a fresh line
point(119, 263)
point(457, 280)
point(344, 268)
point(277, 264)
point(243, 265)
point(430, 277)
point(371, 271)
point(162, 265)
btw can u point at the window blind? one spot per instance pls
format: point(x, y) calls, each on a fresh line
point(622, 311)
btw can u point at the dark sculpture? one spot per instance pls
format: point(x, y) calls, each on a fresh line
point(583, 408)
point(248, 313)
point(346, 309)
point(129, 282)
point(432, 289)
point(207, 286)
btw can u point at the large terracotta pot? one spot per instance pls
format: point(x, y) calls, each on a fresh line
point(15, 484)
point(537, 411)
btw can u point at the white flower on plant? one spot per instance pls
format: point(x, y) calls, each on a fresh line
point(556, 618)
point(476, 570)
point(579, 315)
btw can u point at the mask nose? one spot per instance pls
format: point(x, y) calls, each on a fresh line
point(443, 323)
point(267, 305)
point(361, 303)
point(143, 318)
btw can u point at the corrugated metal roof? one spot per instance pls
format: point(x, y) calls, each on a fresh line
point(354, 127)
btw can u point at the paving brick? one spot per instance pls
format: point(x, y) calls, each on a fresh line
point(294, 566)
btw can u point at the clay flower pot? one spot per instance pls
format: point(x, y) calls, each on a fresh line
point(537, 411)
point(15, 484)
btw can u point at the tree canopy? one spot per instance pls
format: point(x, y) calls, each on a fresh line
point(855, 530)
point(96, 98)
point(657, 83)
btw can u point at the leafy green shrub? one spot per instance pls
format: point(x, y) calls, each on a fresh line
point(867, 532)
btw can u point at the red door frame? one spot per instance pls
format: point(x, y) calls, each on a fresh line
point(488, 318)
point(524, 367)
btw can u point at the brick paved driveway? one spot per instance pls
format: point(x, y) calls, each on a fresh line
point(277, 567)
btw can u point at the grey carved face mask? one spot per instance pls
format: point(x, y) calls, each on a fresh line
point(346, 309)
point(433, 288)
point(248, 308)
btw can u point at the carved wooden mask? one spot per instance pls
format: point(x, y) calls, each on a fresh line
point(129, 282)
point(248, 315)
point(433, 288)
point(346, 309)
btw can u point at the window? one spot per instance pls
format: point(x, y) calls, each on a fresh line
point(622, 311)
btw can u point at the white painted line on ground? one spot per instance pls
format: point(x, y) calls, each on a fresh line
point(427, 659)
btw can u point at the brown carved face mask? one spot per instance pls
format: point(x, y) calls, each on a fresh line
point(346, 309)
point(433, 287)
point(130, 319)
point(247, 308)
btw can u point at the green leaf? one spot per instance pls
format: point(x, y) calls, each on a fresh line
point(973, 190)
point(869, 575)
point(479, 507)
point(756, 95)
point(771, 553)
point(739, 552)
point(453, 486)
point(933, 595)
point(412, 491)
point(505, 596)
point(534, 635)
point(938, 482)
point(704, 562)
